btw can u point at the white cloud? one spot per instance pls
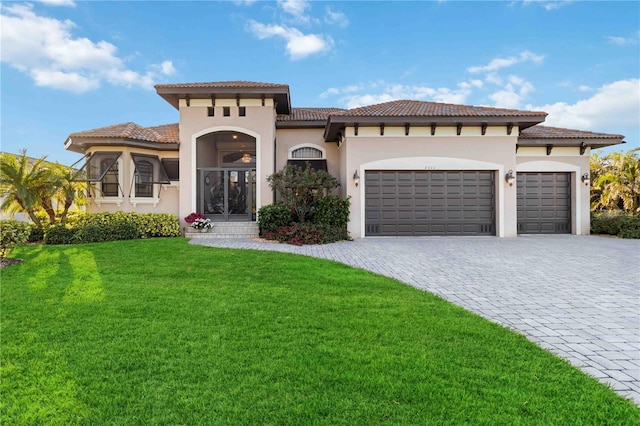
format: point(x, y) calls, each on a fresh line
point(356, 101)
point(624, 41)
point(335, 18)
point(299, 45)
point(65, 3)
point(548, 5)
point(46, 49)
point(297, 9)
point(294, 7)
point(165, 68)
point(613, 105)
point(356, 95)
point(512, 93)
point(499, 63)
point(69, 81)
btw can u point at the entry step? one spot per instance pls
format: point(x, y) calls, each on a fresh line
point(226, 230)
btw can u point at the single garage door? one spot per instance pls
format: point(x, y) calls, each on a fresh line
point(403, 203)
point(544, 203)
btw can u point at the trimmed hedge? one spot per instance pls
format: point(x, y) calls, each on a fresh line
point(615, 223)
point(328, 223)
point(36, 234)
point(274, 216)
point(12, 234)
point(60, 234)
point(100, 227)
point(147, 225)
point(332, 211)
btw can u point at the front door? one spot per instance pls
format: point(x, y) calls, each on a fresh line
point(227, 194)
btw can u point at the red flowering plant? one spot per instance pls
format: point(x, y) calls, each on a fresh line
point(193, 217)
point(198, 221)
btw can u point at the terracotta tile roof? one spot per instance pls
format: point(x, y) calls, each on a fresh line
point(225, 85)
point(159, 134)
point(545, 132)
point(308, 114)
point(412, 108)
point(170, 133)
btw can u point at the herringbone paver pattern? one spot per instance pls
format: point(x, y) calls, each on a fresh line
point(576, 296)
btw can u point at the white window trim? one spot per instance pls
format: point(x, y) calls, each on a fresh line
point(99, 201)
point(172, 183)
point(307, 145)
point(142, 200)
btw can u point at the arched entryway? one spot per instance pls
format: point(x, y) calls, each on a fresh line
point(226, 176)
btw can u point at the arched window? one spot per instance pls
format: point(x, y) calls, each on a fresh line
point(306, 153)
point(301, 155)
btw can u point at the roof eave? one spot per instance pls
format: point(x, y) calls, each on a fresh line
point(336, 122)
point(593, 143)
point(301, 124)
point(82, 144)
point(173, 95)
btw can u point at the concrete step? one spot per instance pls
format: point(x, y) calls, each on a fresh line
point(226, 230)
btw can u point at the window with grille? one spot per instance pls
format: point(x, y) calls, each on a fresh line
point(109, 183)
point(306, 152)
point(148, 171)
point(144, 175)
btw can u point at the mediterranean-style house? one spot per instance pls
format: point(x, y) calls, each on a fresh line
point(410, 167)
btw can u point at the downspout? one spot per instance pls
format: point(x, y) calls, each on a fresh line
point(274, 165)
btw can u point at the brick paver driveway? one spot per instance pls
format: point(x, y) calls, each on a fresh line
point(577, 296)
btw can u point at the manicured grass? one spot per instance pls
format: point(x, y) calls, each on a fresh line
point(160, 332)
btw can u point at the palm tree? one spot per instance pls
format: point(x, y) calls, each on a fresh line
point(70, 189)
point(23, 183)
point(616, 181)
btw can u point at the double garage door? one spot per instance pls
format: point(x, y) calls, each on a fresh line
point(403, 203)
point(422, 203)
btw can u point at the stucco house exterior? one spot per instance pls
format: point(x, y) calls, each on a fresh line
point(410, 167)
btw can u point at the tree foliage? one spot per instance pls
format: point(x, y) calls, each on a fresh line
point(300, 189)
point(34, 185)
point(615, 181)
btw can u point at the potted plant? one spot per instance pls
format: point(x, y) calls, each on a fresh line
point(198, 221)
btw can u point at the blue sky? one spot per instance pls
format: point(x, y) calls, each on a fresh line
point(69, 65)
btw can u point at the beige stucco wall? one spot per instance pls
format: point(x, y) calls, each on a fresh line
point(562, 159)
point(420, 151)
point(259, 122)
point(165, 198)
point(288, 139)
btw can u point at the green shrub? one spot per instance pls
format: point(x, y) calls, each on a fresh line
point(154, 225)
point(60, 234)
point(274, 216)
point(332, 211)
point(615, 223)
point(12, 233)
point(36, 233)
point(299, 188)
point(113, 231)
point(147, 225)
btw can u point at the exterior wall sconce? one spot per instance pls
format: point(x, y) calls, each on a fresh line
point(510, 178)
point(356, 178)
point(585, 179)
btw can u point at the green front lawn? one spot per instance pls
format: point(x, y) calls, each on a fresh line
point(161, 332)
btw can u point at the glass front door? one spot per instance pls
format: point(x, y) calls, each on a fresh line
point(227, 194)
